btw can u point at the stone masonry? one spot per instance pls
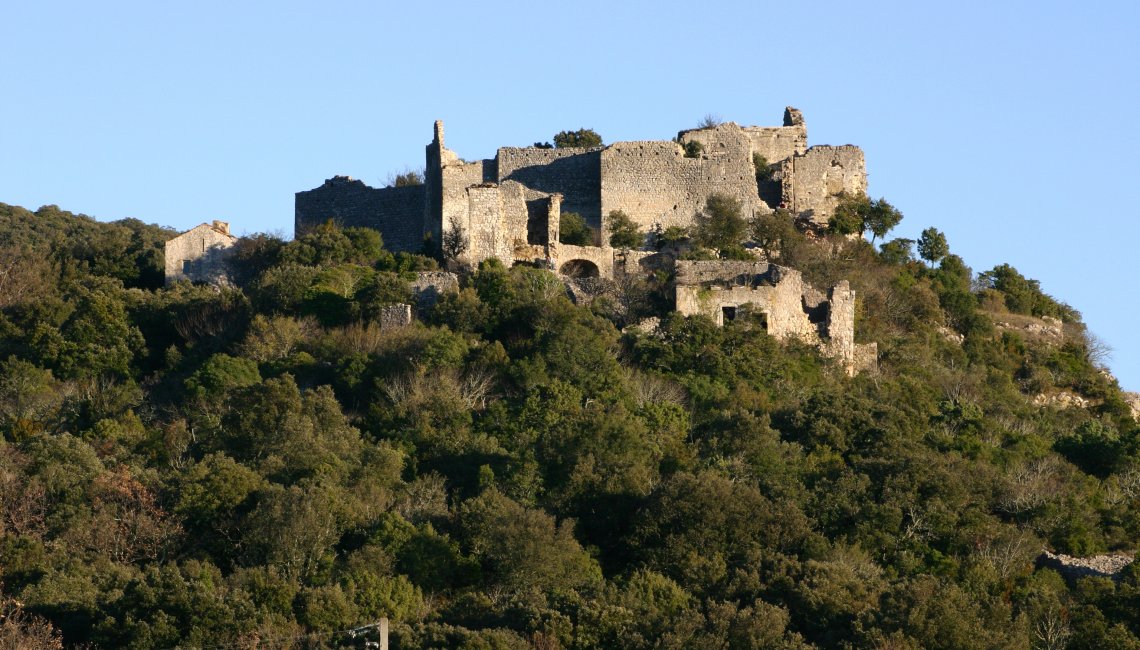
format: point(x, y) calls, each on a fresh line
point(789, 307)
point(199, 254)
point(509, 206)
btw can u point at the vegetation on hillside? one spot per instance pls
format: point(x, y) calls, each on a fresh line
point(191, 466)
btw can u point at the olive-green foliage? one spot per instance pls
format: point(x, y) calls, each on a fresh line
point(572, 229)
point(693, 149)
point(720, 225)
point(189, 466)
point(763, 168)
point(857, 214)
point(624, 233)
point(932, 245)
point(1024, 296)
point(579, 138)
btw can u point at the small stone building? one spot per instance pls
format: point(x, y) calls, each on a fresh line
point(199, 254)
point(788, 306)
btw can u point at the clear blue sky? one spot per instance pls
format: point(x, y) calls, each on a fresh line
point(1010, 126)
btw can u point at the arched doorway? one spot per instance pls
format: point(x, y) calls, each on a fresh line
point(580, 269)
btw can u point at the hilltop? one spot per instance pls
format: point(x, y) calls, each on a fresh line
point(276, 457)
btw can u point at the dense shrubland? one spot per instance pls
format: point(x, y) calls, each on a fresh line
point(262, 464)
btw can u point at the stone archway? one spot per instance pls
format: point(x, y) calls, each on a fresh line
point(580, 269)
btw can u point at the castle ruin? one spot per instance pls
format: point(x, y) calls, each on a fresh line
point(789, 308)
point(509, 206)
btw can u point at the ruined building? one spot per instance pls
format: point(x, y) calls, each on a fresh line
point(199, 254)
point(509, 206)
point(788, 306)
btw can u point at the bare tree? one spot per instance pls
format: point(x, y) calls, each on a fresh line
point(709, 121)
point(455, 241)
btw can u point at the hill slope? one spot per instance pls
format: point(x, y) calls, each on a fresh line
point(194, 466)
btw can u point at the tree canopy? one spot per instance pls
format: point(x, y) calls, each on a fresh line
point(200, 466)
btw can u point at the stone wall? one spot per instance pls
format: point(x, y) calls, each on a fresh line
point(485, 226)
point(652, 181)
point(813, 182)
point(775, 143)
point(655, 184)
point(791, 308)
point(395, 316)
point(429, 286)
point(200, 254)
point(397, 212)
point(573, 173)
point(573, 260)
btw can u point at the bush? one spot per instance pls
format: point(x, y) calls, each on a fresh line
point(720, 225)
point(572, 229)
point(579, 138)
point(624, 233)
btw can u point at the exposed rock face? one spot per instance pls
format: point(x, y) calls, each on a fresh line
point(1062, 400)
point(1097, 566)
point(1045, 329)
point(1133, 400)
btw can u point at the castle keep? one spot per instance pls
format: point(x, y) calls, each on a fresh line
point(509, 206)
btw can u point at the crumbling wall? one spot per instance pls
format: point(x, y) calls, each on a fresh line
point(775, 143)
point(655, 184)
point(455, 205)
point(813, 182)
point(573, 173)
point(395, 316)
point(707, 287)
point(791, 307)
point(486, 236)
point(429, 286)
point(397, 212)
point(564, 256)
point(200, 254)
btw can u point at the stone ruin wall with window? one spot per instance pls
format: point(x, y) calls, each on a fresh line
point(200, 254)
point(653, 182)
point(789, 308)
point(510, 207)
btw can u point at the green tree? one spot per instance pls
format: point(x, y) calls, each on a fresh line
point(624, 233)
point(857, 213)
point(572, 229)
point(898, 251)
point(932, 245)
point(773, 231)
point(579, 138)
point(720, 225)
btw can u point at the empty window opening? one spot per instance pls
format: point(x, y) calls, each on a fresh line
point(728, 313)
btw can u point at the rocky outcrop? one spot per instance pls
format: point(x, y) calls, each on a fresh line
point(1133, 400)
point(1062, 400)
